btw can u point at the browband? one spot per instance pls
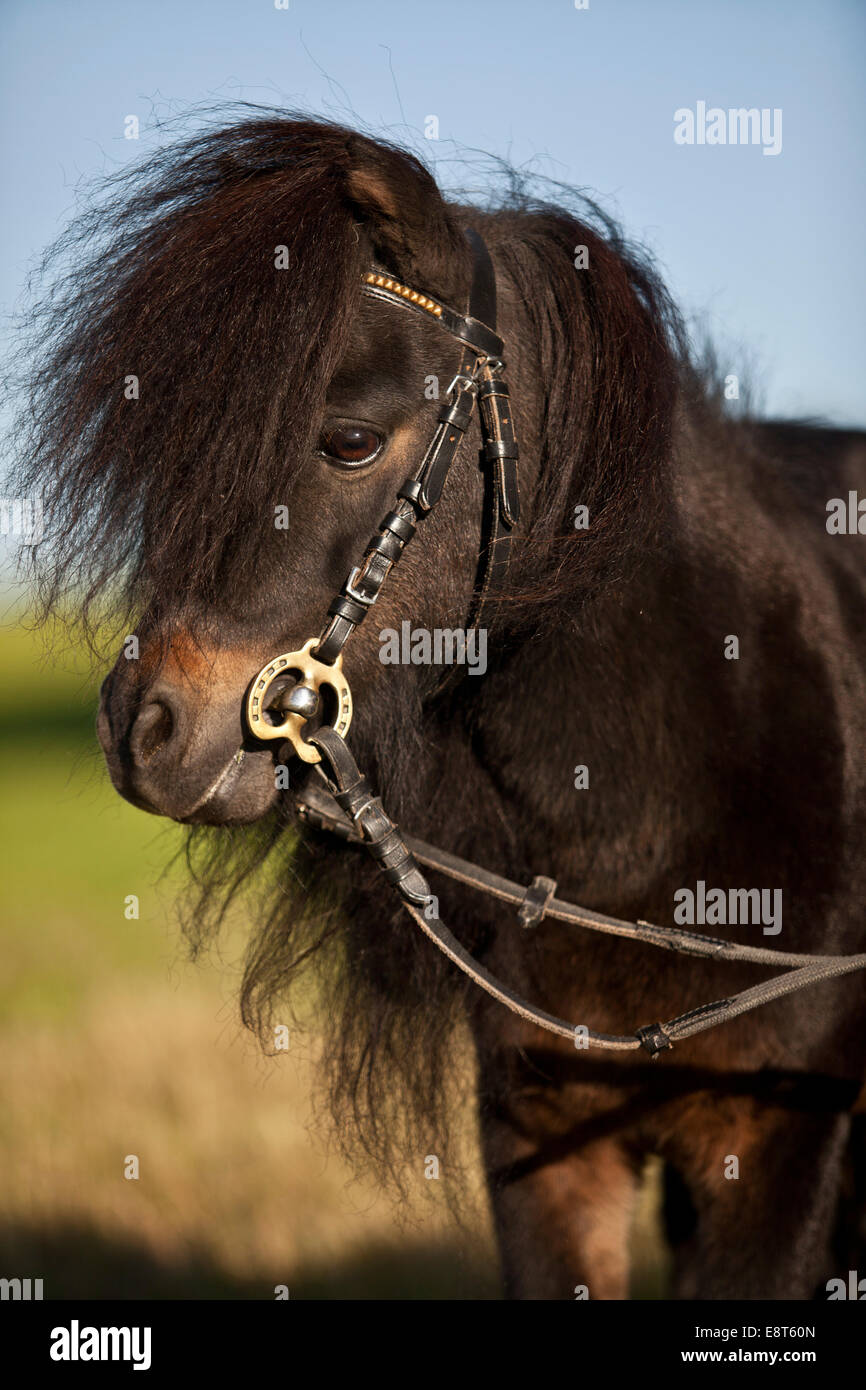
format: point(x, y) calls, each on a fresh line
point(476, 330)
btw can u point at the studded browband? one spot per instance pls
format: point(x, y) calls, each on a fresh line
point(466, 328)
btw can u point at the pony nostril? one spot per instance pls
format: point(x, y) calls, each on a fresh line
point(151, 731)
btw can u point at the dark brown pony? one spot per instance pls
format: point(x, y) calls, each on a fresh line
point(203, 365)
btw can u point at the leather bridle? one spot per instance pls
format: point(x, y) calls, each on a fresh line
point(342, 802)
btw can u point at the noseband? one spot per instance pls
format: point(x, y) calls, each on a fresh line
point(341, 800)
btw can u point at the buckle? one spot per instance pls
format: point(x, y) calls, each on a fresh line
point(468, 383)
point(351, 591)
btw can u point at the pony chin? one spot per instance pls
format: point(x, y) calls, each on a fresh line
point(244, 792)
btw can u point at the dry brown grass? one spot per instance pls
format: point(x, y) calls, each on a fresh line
point(236, 1194)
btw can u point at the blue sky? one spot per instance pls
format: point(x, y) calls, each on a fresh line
point(768, 251)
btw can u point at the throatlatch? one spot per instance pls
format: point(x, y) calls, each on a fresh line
point(343, 803)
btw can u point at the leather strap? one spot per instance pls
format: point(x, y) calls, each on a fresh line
point(502, 500)
point(482, 294)
point(499, 451)
point(318, 809)
point(454, 420)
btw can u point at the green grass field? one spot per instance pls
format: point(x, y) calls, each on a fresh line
point(114, 1044)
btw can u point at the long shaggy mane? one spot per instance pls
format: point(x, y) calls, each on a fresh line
point(169, 276)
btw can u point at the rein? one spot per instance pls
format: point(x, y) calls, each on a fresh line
point(344, 804)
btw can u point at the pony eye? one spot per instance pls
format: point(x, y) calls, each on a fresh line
point(350, 444)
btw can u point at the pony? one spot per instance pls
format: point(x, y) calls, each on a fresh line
point(673, 694)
